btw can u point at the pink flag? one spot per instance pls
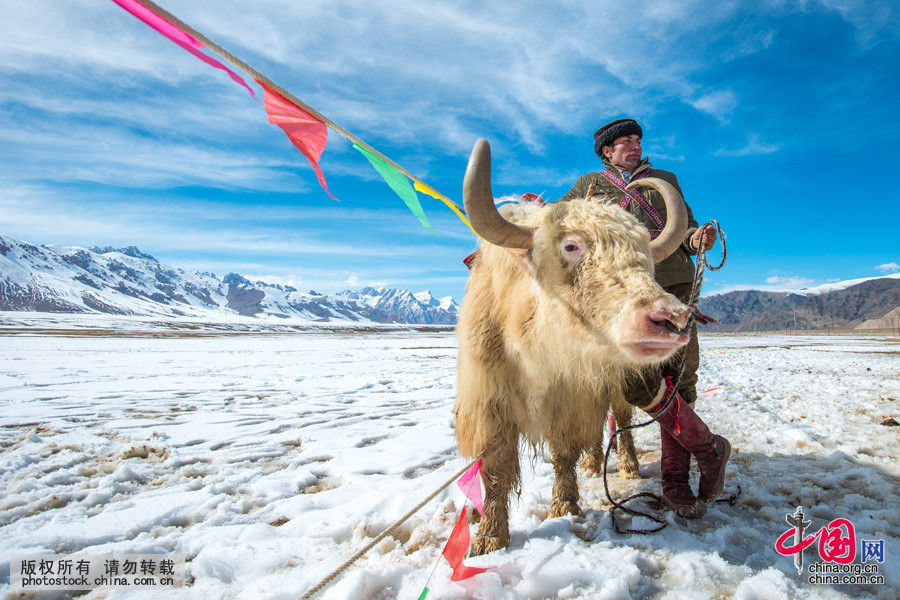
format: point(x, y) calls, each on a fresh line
point(470, 484)
point(178, 36)
point(456, 549)
point(307, 133)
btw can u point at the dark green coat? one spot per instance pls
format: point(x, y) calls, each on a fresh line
point(677, 268)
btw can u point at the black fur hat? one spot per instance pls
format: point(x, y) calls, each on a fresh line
point(606, 135)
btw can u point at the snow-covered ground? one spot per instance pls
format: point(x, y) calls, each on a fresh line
point(267, 458)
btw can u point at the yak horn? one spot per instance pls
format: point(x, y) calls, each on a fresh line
point(676, 217)
point(479, 202)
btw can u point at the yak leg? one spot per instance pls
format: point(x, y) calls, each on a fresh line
point(628, 462)
point(593, 458)
point(565, 485)
point(500, 473)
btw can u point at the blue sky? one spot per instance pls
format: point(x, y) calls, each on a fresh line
point(779, 118)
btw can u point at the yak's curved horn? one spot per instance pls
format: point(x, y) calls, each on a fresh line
point(676, 217)
point(479, 203)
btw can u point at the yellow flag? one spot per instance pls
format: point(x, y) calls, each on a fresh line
point(426, 189)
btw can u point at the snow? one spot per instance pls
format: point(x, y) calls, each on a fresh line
point(268, 457)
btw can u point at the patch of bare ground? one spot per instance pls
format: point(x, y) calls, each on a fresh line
point(144, 451)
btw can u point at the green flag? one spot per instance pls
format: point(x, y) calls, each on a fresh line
point(400, 184)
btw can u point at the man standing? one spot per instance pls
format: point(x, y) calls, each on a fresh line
point(618, 144)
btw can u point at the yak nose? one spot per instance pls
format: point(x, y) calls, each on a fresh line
point(672, 314)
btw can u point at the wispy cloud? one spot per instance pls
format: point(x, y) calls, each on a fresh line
point(789, 282)
point(185, 227)
point(110, 156)
point(754, 146)
point(495, 60)
point(59, 41)
point(889, 267)
point(719, 103)
point(869, 18)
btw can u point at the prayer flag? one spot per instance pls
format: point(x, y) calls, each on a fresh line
point(399, 183)
point(426, 189)
point(470, 484)
point(178, 36)
point(456, 549)
point(308, 134)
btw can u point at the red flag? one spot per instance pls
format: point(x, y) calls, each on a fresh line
point(307, 133)
point(456, 549)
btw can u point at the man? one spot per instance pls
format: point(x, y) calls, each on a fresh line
point(682, 432)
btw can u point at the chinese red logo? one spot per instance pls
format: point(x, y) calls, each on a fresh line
point(837, 542)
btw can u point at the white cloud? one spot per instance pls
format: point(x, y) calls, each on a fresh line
point(720, 103)
point(889, 267)
point(870, 18)
point(789, 282)
point(159, 111)
point(111, 156)
point(459, 66)
point(182, 226)
point(353, 280)
point(754, 146)
point(59, 40)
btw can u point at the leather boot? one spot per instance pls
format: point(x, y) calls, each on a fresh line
point(675, 464)
point(712, 468)
point(688, 430)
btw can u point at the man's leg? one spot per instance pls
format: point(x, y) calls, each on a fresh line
point(690, 354)
point(678, 419)
point(645, 392)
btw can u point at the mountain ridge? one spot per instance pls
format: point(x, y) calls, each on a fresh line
point(126, 281)
point(853, 304)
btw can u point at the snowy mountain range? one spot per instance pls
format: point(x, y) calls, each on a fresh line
point(125, 281)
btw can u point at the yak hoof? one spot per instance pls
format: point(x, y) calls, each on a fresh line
point(484, 544)
point(592, 465)
point(561, 508)
point(629, 468)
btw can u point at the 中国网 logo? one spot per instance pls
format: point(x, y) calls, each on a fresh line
point(837, 549)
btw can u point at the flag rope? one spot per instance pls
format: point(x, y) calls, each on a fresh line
point(437, 561)
point(266, 82)
point(346, 564)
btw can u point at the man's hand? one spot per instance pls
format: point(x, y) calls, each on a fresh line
point(709, 238)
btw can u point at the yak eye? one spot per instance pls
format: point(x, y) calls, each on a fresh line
point(572, 249)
